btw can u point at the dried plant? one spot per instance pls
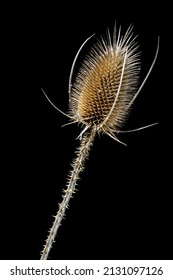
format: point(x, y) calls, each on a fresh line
point(100, 99)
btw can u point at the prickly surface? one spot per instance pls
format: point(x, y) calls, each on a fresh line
point(97, 82)
point(77, 167)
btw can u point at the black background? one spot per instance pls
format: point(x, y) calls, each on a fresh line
point(123, 208)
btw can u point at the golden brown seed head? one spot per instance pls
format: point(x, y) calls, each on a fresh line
point(106, 84)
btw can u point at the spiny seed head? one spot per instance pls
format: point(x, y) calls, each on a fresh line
point(106, 83)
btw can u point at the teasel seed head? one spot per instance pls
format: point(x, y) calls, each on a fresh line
point(106, 83)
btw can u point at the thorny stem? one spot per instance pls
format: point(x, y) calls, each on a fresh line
point(77, 166)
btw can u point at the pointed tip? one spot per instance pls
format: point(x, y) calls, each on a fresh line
point(115, 138)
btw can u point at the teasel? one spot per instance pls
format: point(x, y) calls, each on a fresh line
point(100, 100)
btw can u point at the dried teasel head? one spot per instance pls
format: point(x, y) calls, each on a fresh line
point(106, 84)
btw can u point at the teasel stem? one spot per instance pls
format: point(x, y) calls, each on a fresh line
point(82, 153)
